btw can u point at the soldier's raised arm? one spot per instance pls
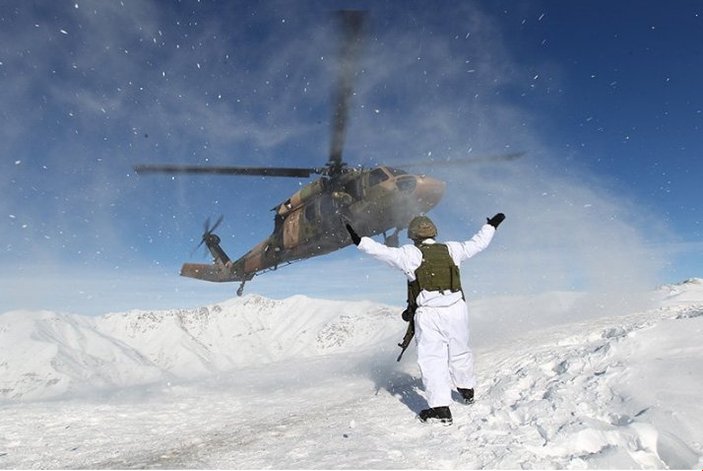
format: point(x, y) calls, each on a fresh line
point(396, 257)
point(482, 239)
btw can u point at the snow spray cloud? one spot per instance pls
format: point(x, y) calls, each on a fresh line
point(98, 87)
point(438, 97)
point(91, 88)
point(567, 228)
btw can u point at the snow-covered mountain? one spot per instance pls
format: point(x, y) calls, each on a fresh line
point(45, 354)
point(303, 383)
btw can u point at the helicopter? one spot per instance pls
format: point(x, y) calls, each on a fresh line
point(378, 200)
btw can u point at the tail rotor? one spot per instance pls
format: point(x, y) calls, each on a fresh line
point(212, 241)
point(208, 237)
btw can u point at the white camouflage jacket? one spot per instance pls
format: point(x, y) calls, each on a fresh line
point(408, 258)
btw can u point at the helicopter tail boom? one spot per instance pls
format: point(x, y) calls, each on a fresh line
point(222, 269)
point(215, 272)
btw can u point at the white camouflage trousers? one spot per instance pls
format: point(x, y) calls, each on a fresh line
point(443, 353)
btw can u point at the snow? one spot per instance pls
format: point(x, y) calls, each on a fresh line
point(308, 383)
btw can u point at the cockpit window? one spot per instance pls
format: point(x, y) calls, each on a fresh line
point(396, 171)
point(377, 176)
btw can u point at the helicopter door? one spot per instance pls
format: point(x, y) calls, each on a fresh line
point(291, 229)
point(310, 223)
point(354, 189)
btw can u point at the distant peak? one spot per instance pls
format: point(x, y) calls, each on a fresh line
point(693, 281)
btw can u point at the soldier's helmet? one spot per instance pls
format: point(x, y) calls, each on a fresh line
point(421, 227)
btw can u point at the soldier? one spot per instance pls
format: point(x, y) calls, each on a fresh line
point(440, 313)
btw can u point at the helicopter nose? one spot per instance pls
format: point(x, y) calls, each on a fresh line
point(429, 191)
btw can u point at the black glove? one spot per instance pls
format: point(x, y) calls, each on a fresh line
point(495, 220)
point(354, 236)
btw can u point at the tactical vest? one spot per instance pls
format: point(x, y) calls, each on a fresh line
point(437, 272)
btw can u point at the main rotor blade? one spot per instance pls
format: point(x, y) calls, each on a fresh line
point(352, 25)
point(247, 171)
point(217, 223)
point(462, 161)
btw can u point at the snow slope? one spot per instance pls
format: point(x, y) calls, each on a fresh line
point(301, 383)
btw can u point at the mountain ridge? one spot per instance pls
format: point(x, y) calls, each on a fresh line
point(46, 354)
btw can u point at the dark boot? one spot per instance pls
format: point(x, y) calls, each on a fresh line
point(440, 415)
point(467, 395)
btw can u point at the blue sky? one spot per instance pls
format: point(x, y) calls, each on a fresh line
point(604, 98)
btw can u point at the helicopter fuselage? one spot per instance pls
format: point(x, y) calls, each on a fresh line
point(311, 222)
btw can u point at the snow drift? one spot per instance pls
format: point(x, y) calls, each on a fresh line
point(302, 383)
